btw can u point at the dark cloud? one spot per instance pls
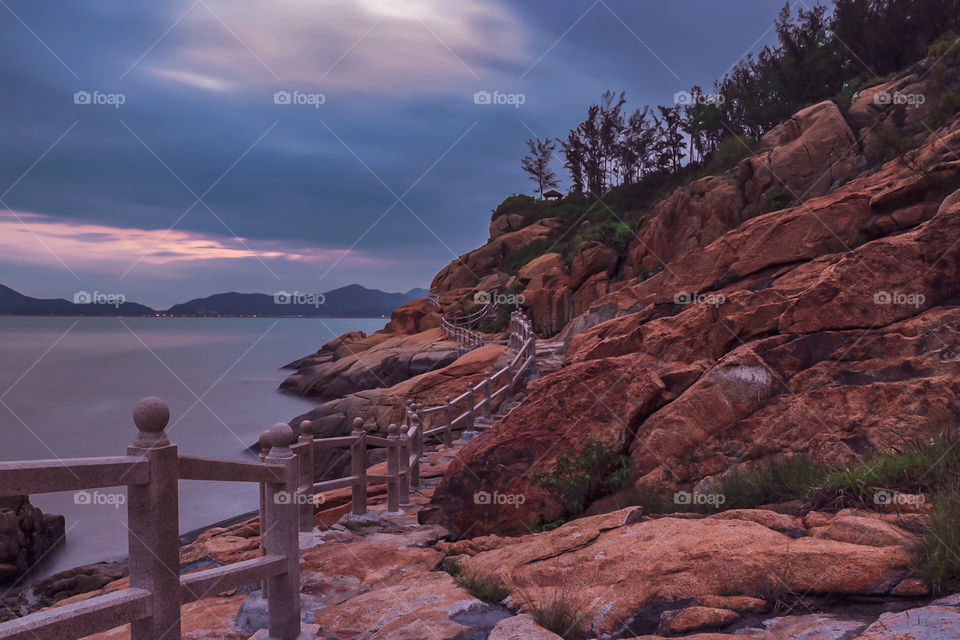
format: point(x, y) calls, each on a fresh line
point(199, 108)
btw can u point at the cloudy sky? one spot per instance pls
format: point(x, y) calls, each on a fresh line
point(170, 150)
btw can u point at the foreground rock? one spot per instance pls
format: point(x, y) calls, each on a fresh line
point(639, 576)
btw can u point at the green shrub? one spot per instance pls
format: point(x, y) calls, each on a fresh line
point(923, 466)
point(777, 479)
point(519, 258)
point(729, 153)
point(612, 233)
point(591, 473)
point(938, 551)
point(949, 105)
point(515, 203)
point(776, 199)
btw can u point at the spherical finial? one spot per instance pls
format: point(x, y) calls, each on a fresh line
point(151, 416)
point(392, 431)
point(306, 428)
point(358, 424)
point(281, 435)
point(264, 442)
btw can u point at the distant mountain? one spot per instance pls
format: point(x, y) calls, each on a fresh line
point(87, 304)
point(350, 301)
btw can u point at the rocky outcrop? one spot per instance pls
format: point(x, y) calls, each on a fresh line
point(26, 536)
point(349, 364)
point(467, 270)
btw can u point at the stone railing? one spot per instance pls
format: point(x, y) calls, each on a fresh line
point(405, 443)
point(151, 471)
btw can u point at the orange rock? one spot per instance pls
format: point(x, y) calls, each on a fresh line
point(740, 604)
point(695, 618)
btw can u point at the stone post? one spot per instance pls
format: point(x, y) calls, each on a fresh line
point(282, 536)
point(264, 443)
point(404, 455)
point(304, 452)
point(487, 396)
point(358, 467)
point(416, 444)
point(471, 402)
point(153, 524)
point(393, 469)
point(447, 422)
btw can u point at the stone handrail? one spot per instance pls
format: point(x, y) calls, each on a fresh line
point(151, 471)
point(405, 443)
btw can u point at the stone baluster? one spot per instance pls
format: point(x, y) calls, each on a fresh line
point(358, 467)
point(447, 422)
point(404, 470)
point(153, 524)
point(416, 445)
point(471, 410)
point(393, 470)
point(487, 396)
point(282, 535)
point(303, 450)
point(264, 443)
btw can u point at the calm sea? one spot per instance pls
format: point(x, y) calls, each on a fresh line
point(68, 385)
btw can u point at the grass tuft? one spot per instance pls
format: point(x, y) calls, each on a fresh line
point(557, 613)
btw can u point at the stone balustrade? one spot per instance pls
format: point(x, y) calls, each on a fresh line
point(151, 471)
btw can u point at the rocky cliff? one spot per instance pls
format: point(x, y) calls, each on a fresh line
point(804, 302)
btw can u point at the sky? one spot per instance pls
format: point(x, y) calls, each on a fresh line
point(170, 150)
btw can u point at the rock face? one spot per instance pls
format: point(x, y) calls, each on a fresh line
point(828, 328)
point(26, 535)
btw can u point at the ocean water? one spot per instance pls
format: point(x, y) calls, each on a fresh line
point(68, 386)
